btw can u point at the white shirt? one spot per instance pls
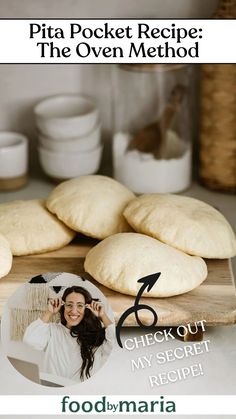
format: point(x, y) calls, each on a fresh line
point(62, 352)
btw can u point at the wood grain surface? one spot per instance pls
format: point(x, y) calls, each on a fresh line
point(214, 301)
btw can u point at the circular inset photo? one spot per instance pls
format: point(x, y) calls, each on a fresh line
point(58, 329)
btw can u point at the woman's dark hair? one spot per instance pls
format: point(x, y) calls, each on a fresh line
point(89, 332)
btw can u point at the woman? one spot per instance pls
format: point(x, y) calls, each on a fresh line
point(78, 346)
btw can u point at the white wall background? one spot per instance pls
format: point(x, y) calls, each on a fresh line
point(21, 86)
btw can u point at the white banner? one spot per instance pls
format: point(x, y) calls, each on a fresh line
point(118, 405)
point(117, 41)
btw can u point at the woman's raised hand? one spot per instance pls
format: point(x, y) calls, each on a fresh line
point(97, 308)
point(54, 305)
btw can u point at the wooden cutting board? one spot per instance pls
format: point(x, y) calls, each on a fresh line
point(214, 301)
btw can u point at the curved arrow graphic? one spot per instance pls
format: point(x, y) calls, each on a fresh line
point(148, 282)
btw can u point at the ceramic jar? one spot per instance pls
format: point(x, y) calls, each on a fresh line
point(153, 127)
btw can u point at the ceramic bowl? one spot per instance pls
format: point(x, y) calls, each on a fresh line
point(62, 165)
point(13, 154)
point(66, 116)
point(85, 143)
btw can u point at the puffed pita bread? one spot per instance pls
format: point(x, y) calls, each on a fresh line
point(185, 223)
point(120, 260)
point(92, 205)
point(5, 257)
point(30, 228)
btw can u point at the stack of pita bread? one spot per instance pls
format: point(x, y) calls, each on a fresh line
point(26, 227)
point(141, 235)
point(92, 205)
point(176, 233)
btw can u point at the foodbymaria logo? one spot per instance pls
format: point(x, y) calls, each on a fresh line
point(115, 405)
